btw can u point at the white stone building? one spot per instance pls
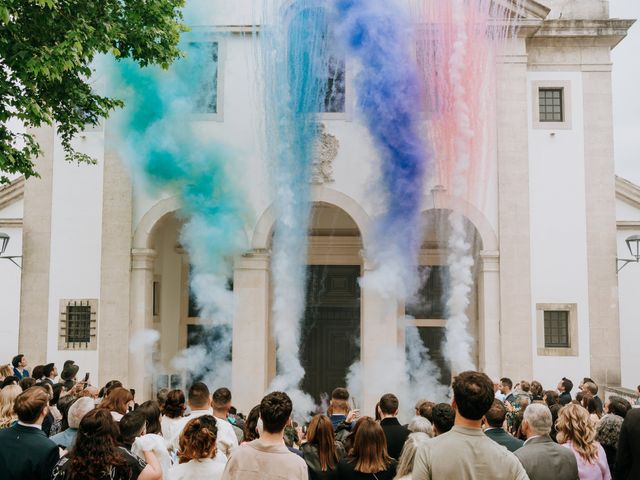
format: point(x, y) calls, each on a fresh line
point(547, 301)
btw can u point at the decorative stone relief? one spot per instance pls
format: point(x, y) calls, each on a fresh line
point(325, 152)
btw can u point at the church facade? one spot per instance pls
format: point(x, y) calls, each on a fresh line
point(101, 258)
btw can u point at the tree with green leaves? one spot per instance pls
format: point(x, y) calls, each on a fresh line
point(46, 51)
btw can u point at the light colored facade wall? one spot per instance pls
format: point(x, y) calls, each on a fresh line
point(11, 224)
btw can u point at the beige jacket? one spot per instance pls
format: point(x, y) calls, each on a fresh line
point(256, 461)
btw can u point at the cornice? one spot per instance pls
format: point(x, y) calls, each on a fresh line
point(628, 192)
point(610, 31)
point(12, 192)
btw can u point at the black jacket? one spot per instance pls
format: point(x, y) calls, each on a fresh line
point(628, 458)
point(564, 398)
point(396, 436)
point(312, 458)
point(501, 437)
point(346, 471)
point(26, 453)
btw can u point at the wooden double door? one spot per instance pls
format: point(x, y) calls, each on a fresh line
point(330, 340)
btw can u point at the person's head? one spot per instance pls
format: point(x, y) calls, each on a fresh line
point(174, 405)
point(132, 425)
point(550, 398)
point(151, 411)
point(10, 380)
point(419, 404)
point(221, 399)
point(590, 387)
point(19, 361)
point(536, 390)
point(618, 406)
point(67, 363)
point(420, 424)
point(574, 425)
point(339, 403)
point(405, 463)
point(525, 386)
point(537, 420)
point(388, 405)
point(118, 400)
point(251, 424)
point(369, 452)
point(5, 371)
point(320, 433)
point(38, 372)
point(27, 382)
point(110, 385)
point(8, 397)
point(95, 448)
point(69, 373)
point(496, 414)
point(443, 418)
point(472, 395)
point(32, 405)
point(275, 411)
point(565, 385)
point(50, 371)
point(426, 410)
point(199, 396)
point(505, 385)
point(161, 396)
point(198, 439)
point(78, 410)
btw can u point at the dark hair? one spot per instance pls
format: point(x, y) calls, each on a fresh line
point(110, 385)
point(551, 398)
point(506, 381)
point(369, 452)
point(618, 406)
point(579, 397)
point(536, 390)
point(567, 384)
point(389, 404)
point(64, 404)
point(151, 411)
point(161, 396)
point(16, 360)
point(131, 425)
point(95, 450)
point(340, 393)
point(443, 416)
point(320, 433)
point(199, 395)
point(29, 404)
point(275, 410)
point(525, 386)
point(37, 372)
point(473, 394)
point(587, 379)
point(251, 425)
point(221, 397)
point(426, 410)
point(10, 380)
point(496, 414)
point(57, 391)
point(174, 405)
point(27, 382)
point(48, 369)
point(116, 400)
point(198, 439)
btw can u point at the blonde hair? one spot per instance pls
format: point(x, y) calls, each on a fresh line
point(8, 397)
point(574, 425)
point(6, 370)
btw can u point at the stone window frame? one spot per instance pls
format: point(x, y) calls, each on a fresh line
point(62, 325)
point(565, 86)
point(573, 349)
point(222, 55)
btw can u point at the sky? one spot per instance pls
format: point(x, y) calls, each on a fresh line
point(626, 93)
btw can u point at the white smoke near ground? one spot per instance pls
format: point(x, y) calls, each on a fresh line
point(146, 340)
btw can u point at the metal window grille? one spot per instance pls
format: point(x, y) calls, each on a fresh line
point(334, 100)
point(556, 329)
point(551, 104)
point(78, 323)
point(205, 55)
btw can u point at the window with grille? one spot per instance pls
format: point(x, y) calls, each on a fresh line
point(334, 99)
point(556, 329)
point(205, 56)
point(551, 104)
point(77, 325)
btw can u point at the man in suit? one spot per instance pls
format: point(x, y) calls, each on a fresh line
point(506, 386)
point(395, 433)
point(564, 388)
point(628, 457)
point(19, 363)
point(50, 373)
point(540, 456)
point(25, 451)
point(494, 419)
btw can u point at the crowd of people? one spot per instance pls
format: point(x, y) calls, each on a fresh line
point(53, 426)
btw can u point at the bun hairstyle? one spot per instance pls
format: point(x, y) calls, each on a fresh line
point(198, 439)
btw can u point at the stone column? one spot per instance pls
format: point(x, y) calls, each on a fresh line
point(250, 352)
point(141, 318)
point(382, 362)
point(489, 305)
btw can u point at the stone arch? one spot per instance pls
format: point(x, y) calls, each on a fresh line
point(264, 227)
point(144, 231)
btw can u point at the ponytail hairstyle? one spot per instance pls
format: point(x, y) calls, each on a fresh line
point(198, 439)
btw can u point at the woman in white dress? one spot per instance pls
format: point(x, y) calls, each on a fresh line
point(172, 413)
point(198, 454)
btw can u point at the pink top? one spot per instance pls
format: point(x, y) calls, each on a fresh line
point(591, 471)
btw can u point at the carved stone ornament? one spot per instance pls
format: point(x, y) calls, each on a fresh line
point(325, 152)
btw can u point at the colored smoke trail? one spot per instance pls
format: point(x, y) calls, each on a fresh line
point(157, 131)
point(379, 34)
point(294, 49)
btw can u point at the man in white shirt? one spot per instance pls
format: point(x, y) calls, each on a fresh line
point(221, 403)
point(199, 401)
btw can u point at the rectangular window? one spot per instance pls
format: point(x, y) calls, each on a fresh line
point(205, 57)
point(334, 99)
point(556, 329)
point(551, 104)
point(78, 325)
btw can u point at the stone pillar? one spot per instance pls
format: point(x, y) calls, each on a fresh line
point(141, 318)
point(382, 362)
point(514, 212)
point(489, 305)
point(36, 251)
point(250, 352)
